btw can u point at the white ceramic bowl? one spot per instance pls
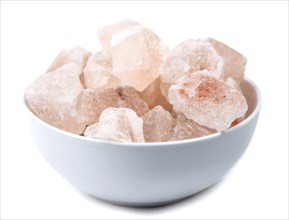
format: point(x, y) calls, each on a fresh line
point(146, 174)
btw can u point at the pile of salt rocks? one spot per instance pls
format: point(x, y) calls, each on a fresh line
point(136, 90)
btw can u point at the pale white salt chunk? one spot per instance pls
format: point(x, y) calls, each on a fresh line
point(98, 72)
point(105, 33)
point(190, 56)
point(235, 62)
point(53, 95)
point(207, 100)
point(117, 124)
point(137, 54)
point(76, 55)
point(187, 129)
point(157, 125)
point(91, 102)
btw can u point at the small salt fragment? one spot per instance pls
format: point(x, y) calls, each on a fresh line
point(207, 100)
point(75, 55)
point(117, 124)
point(137, 54)
point(187, 129)
point(91, 102)
point(105, 33)
point(152, 95)
point(157, 125)
point(190, 56)
point(238, 121)
point(233, 83)
point(235, 62)
point(98, 72)
point(52, 98)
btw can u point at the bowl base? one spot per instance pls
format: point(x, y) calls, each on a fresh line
point(141, 205)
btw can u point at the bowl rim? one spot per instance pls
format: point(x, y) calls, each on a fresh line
point(154, 144)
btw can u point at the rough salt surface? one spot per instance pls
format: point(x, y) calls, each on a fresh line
point(53, 95)
point(187, 129)
point(190, 56)
point(75, 55)
point(207, 100)
point(137, 54)
point(117, 124)
point(91, 102)
point(235, 62)
point(98, 72)
point(105, 33)
point(152, 95)
point(157, 125)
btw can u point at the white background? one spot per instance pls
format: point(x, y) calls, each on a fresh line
point(32, 34)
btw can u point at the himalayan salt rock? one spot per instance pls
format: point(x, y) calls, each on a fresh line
point(207, 100)
point(52, 98)
point(117, 124)
point(187, 129)
point(233, 83)
point(235, 62)
point(98, 72)
point(137, 54)
point(76, 55)
point(91, 102)
point(157, 125)
point(188, 57)
point(105, 33)
point(152, 95)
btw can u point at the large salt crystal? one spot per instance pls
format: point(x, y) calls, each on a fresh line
point(137, 54)
point(207, 100)
point(187, 129)
point(91, 102)
point(157, 125)
point(235, 62)
point(105, 33)
point(190, 56)
point(75, 55)
point(117, 124)
point(52, 98)
point(98, 72)
point(152, 95)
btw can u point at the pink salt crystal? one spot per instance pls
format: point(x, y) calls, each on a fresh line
point(117, 124)
point(207, 100)
point(235, 62)
point(137, 54)
point(187, 129)
point(76, 55)
point(233, 83)
point(105, 33)
point(157, 125)
point(152, 95)
point(188, 57)
point(98, 72)
point(52, 98)
point(91, 102)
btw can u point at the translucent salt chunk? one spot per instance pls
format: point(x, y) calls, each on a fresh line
point(75, 55)
point(152, 95)
point(91, 102)
point(235, 62)
point(105, 33)
point(98, 72)
point(117, 124)
point(190, 56)
point(187, 129)
point(207, 100)
point(53, 95)
point(137, 54)
point(157, 125)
